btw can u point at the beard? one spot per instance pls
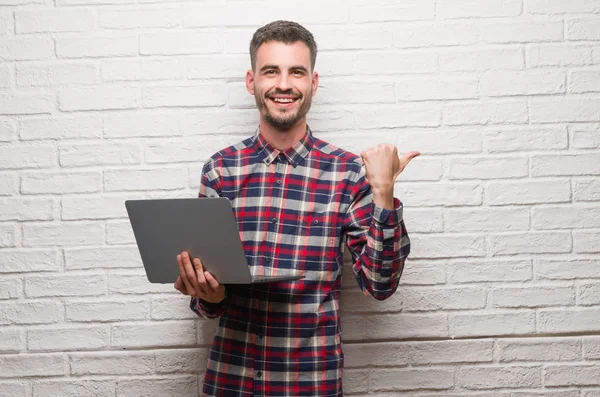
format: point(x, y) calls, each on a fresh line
point(283, 119)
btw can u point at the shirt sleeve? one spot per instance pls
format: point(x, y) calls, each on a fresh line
point(377, 240)
point(209, 187)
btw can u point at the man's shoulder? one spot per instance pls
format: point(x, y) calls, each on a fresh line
point(232, 151)
point(335, 153)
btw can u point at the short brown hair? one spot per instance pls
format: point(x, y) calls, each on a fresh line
point(286, 32)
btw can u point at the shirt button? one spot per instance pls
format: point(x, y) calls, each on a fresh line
point(268, 259)
point(273, 220)
point(259, 374)
point(279, 181)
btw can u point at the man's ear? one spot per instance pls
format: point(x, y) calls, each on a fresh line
point(250, 81)
point(315, 83)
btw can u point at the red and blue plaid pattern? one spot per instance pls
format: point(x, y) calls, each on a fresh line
point(294, 210)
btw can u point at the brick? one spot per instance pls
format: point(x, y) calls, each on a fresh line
point(22, 156)
point(94, 207)
point(26, 48)
point(447, 352)
point(72, 233)
point(586, 189)
point(61, 182)
point(96, 46)
point(139, 18)
point(572, 375)
point(7, 76)
point(353, 37)
point(536, 138)
point(10, 288)
point(488, 167)
point(493, 377)
point(564, 110)
point(181, 361)
point(194, 150)
point(532, 243)
point(584, 82)
point(394, 326)
point(591, 347)
point(342, 91)
point(153, 179)
point(528, 192)
point(8, 235)
point(493, 219)
point(102, 258)
point(585, 136)
point(71, 285)
point(539, 349)
point(25, 103)
point(446, 88)
point(144, 124)
point(77, 155)
point(434, 34)
point(205, 95)
point(108, 310)
point(175, 308)
point(427, 299)
point(354, 301)
point(557, 55)
point(14, 389)
point(23, 365)
point(74, 388)
point(444, 246)
point(112, 363)
point(153, 335)
point(25, 209)
point(55, 74)
point(473, 8)
point(568, 320)
point(492, 324)
point(583, 29)
point(356, 380)
point(427, 169)
point(30, 313)
point(182, 386)
point(21, 261)
point(561, 7)
point(360, 355)
point(533, 296)
point(7, 131)
point(6, 27)
point(65, 339)
point(429, 220)
point(585, 242)
point(391, 62)
point(397, 116)
point(421, 274)
point(551, 165)
point(552, 218)
point(439, 194)
point(90, 2)
point(60, 20)
point(98, 98)
point(11, 341)
point(566, 269)
point(441, 141)
point(135, 70)
point(479, 59)
point(8, 184)
point(119, 233)
point(87, 127)
point(529, 31)
point(220, 67)
point(532, 82)
point(329, 64)
point(490, 271)
point(483, 113)
point(588, 294)
point(205, 41)
point(412, 379)
point(385, 11)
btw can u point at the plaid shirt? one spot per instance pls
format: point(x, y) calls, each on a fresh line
point(294, 210)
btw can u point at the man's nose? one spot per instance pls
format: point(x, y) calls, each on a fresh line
point(284, 82)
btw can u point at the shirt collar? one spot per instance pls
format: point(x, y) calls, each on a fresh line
point(293, 155)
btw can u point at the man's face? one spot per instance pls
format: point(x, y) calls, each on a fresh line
point(282, 83)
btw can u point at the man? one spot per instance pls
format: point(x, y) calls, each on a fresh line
point(295, 198)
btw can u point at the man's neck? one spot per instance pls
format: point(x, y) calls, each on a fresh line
point(283, 140)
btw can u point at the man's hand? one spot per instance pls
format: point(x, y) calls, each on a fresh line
point(194, 281)
point(382, 167)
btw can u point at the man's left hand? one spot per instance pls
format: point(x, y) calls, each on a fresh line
point(383, 165)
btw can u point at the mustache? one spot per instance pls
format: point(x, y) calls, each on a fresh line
point(277, 91)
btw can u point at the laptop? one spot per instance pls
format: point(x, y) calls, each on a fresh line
point(204, 227)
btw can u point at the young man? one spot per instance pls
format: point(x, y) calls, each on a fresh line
point(296, 198)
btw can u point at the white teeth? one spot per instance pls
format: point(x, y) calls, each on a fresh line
point(282, 100)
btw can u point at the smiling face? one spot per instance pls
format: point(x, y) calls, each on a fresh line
point(283, 83)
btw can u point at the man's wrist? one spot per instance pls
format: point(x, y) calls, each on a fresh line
point(384, 197)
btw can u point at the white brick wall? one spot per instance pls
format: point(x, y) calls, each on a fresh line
point(106, 100)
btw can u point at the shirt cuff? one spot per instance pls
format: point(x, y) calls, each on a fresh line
point(388, 217)
point(198, 304)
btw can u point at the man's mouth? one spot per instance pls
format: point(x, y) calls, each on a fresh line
point(280, 100)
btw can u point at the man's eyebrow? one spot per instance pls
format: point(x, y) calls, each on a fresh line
point(266, 67)
point(297, 67)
